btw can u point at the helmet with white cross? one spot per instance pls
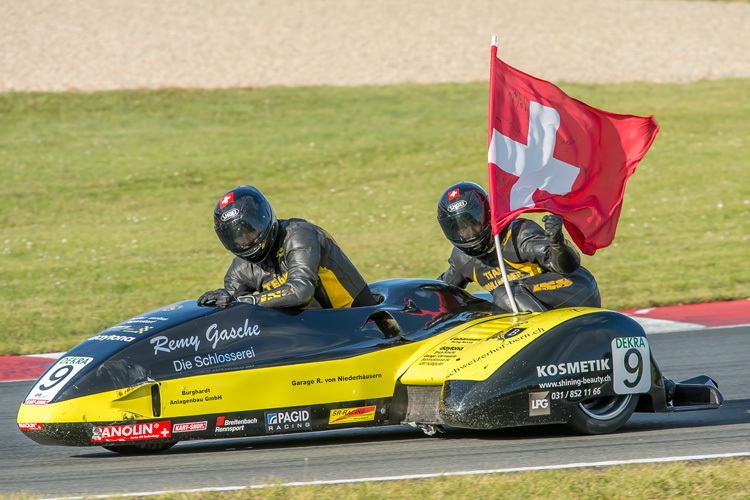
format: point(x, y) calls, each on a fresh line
point(464, 216)
point(245, 223)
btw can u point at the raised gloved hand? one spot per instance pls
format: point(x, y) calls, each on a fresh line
point(553, 225)
point(219, 298)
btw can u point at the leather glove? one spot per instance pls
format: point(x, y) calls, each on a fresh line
point(553, 225)
point(218, 298)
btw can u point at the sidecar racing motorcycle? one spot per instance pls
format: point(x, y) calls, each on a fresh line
point(428, 354)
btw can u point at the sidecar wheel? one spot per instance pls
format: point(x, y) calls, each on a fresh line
point(603, 415)
point(139, 448)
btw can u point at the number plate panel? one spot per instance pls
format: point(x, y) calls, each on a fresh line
point(631, 365)
point(55, 379)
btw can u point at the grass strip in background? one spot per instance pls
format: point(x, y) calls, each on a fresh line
point(727, 479)
point(107, 198)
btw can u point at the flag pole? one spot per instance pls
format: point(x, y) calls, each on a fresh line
point(504, 272)
point(498, 247)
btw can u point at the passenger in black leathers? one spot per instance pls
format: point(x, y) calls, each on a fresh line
point(281, 263)
point(544, 270)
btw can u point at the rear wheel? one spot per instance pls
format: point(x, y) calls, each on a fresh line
point(604, 414)
point(139, 448)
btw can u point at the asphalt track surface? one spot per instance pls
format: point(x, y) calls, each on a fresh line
point(47, 471)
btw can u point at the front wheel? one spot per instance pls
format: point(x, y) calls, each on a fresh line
point(603, 415)
point(139, 448)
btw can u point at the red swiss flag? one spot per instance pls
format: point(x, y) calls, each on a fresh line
point(226, 199)
point(549, 152)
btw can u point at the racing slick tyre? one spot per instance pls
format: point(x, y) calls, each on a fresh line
point(139, 448)
point(604, 414)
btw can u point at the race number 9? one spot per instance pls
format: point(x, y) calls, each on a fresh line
point(631, 365)
point(55, 379)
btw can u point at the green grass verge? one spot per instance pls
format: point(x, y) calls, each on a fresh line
point(728, 479)
point(107, 198)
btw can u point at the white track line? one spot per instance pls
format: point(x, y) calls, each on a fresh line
point(422, 476)
point(51, 355)
point(654, 325)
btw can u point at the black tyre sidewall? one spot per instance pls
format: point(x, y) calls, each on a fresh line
point(585, 424)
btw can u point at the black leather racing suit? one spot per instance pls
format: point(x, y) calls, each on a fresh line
point(541, 277)
point(305, 268)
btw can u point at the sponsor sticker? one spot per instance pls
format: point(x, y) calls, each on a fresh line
point(148, 320)
point(162, 343)
point(132, 432)
point(288, 421)
point(349, 415)
point(215, 335)
point(631, 365)
point(224, 424)
point(539, 403)
point(590, 386)
point(457, 205)
point(30, 426)
point(36, 402)
point(440, 356)
point(195, 396)
point(130, 329)
point(116, 338)
point(513, 332)
point(573, 368)
point(212, 359)
point(230, 214)
point(55, 379)
point(308, 383)
point(190, 427)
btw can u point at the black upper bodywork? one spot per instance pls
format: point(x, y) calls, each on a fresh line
point(154, 345)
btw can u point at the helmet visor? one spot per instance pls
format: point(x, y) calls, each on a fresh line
point(242, 237)
point(463, 228)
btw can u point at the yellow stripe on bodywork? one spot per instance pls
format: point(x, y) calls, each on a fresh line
point(482, 348)
point(368, 376)
point(482, 360)
point(431, 367)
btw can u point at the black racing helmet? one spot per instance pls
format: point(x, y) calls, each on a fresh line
point(245, 223)
point(464, 215)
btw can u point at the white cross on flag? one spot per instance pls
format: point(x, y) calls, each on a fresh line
point(549, 152)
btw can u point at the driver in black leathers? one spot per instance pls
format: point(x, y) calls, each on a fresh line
point(544, 270)
point(281, 263)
